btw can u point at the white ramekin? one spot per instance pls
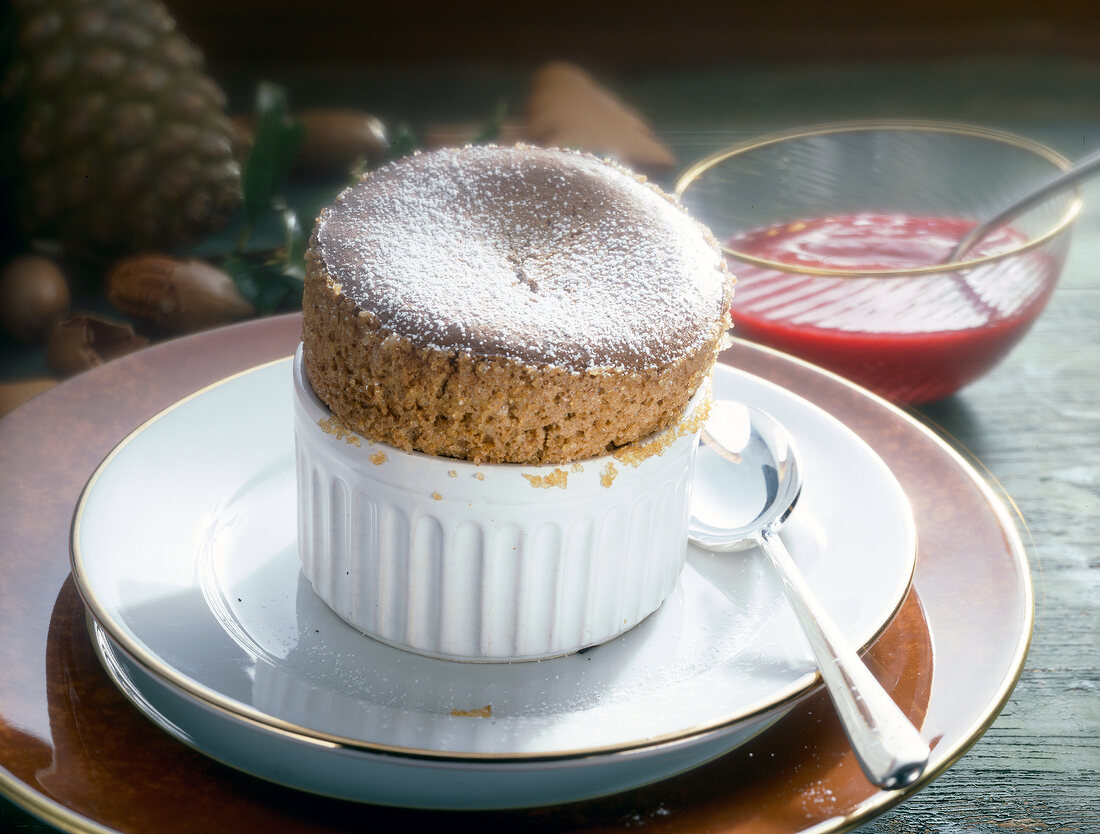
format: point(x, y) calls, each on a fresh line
point(489, 562)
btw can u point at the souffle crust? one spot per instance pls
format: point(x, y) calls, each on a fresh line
point(515, 305)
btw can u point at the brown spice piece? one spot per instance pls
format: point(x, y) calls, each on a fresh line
point(85, 341)
point(567, 108)
point(172, 295)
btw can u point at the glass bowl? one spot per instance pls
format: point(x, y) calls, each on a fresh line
point(837, 234)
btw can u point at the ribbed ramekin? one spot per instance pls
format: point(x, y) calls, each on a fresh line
point(489, 562)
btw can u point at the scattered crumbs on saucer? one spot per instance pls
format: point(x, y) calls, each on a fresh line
point(818, 796)
point(480, 476)
point(436, 496)
point(640, 818)
point(451, 473)
point(478, 712)
point(378, 458)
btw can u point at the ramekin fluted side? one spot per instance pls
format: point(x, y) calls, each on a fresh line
point(493, 561)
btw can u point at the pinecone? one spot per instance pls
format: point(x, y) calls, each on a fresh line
point(114, 137)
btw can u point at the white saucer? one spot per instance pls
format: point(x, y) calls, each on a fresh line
point(184, 551)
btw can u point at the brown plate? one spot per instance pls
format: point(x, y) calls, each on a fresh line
point(74, 752)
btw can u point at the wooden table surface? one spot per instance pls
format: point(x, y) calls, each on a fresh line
point(1033, 423)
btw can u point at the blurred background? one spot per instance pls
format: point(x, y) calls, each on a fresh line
point(849, 56)
point(621, 33)
point(129, 127)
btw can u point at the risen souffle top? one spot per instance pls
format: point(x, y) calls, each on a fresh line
point(542, 256)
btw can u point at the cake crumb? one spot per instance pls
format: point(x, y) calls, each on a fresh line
point(436, 496)
point(480, 476)
point(607, 477)
point(378, 458)
point(478, 712)
point(333, 426)
point(557, 478)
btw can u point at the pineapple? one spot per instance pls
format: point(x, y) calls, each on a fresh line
point(113, 137)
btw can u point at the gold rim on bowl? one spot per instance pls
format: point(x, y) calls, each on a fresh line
point(1067, 218)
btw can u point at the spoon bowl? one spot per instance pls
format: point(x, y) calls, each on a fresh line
point(746, 484)
point(727, 512)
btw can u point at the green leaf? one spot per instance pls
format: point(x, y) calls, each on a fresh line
point(490, 128)
point(294, 248)
point(403, 142)
point(265, 284)
point(275, 142)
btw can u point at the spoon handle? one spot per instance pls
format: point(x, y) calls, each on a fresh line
point(1084, 167)
point(889, 749)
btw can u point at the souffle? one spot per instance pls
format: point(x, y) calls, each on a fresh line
point(510, 305)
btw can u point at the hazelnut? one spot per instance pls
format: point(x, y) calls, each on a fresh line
point(337, 138)
point(172, 295)
point(33, 293)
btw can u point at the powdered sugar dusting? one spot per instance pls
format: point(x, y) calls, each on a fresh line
point(538, 255)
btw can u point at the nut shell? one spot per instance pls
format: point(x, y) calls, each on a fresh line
point(172, 295)
point(33, 293)
point(85, 341)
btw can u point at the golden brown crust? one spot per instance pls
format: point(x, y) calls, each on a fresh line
point(513, 305)
point(482, 409)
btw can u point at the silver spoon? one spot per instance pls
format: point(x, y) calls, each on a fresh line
point(747, 481)
point(1085, 166)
